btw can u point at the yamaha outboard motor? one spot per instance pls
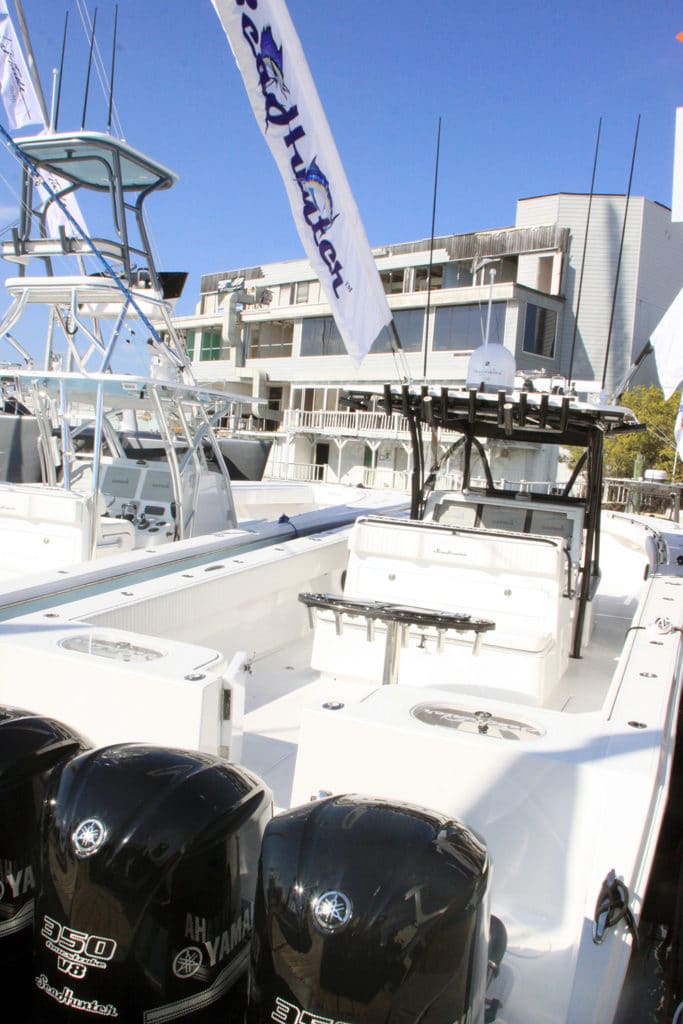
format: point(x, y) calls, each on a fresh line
point(372, 912)
point(145, 912)
point(31, 749)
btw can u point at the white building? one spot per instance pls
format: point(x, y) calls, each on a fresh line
point(569, 294)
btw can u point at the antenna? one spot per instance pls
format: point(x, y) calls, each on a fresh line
point(113, 65)
point(61, 72)
point(87, 80)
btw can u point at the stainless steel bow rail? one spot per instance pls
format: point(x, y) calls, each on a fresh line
point(398, 618)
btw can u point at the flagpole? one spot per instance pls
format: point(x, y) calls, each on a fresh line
point(31, 61)
point(621, 250)
point(431, 253)
point(399, 353)
point(583, 257)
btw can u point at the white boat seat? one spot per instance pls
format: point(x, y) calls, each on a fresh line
point(518, 581)
point(43, 526)
point(50, 528)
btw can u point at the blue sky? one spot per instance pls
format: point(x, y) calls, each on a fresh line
point(519, 88)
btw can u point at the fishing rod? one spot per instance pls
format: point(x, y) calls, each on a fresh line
point(61, 72)
point(87, 78)
point(113, 65)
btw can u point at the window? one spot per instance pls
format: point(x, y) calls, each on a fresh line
point(458, 275)
point(303, 398)
point(410, 329)
point(270, 339)
point(210, 346)
point(422, 277)
point(540, 325)
point(274, 403)
point(300, 291)
point(392, 281)
point(189, 343)
point(464, 327)
point(320, 337)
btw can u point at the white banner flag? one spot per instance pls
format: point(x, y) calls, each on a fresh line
point(288, 110)
point(677, 189)
point(667, 341)
point(55, 216)
point(678, 429)
point(23, 107)
point(16, 87)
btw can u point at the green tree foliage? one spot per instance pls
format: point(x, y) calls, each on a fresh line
point(656, 444)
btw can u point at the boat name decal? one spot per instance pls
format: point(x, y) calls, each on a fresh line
point(288, 1013)
point(317, 205)
point(450, 551)
point(66, 997)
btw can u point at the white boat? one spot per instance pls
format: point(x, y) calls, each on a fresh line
point(107, 443)
point(507, 661)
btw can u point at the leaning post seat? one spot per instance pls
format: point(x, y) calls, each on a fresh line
point(521, 582)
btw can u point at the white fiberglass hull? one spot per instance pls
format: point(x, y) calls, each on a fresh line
point(563, 791)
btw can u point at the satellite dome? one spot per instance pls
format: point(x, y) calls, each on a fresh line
point(492, 365)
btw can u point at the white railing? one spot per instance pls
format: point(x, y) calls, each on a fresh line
point(643, 496)
point(301, 472)
point(359, 424)
point(395, 480)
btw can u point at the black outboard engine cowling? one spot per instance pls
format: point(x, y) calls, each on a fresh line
point(149, 869)
point(31, 749)
point(372, 912)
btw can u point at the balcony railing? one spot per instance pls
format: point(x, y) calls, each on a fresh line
point(301, 472)
point(393, 479)
point(354, 424)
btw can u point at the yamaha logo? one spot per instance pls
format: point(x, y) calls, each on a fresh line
point(88, 837)
point(332, 910)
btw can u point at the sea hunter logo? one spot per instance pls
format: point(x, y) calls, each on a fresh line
point(317, 205)
point(271, 56)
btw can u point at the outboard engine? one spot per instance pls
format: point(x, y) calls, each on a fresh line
point(31, 749)
point(149, 870)
point(369, 911)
